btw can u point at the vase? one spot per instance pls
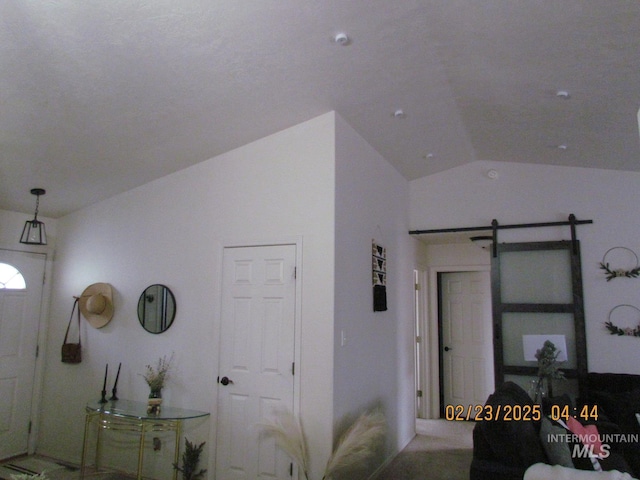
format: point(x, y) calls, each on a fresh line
point(154, 402)
point(538, 390)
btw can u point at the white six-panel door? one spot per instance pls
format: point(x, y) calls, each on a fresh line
point(467, 338)
point(256, 359)
point(19, 322)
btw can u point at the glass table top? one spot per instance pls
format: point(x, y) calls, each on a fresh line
point(138, 410)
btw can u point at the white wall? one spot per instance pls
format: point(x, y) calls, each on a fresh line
point(374, 368)
point(171, 231)
point(466, 197)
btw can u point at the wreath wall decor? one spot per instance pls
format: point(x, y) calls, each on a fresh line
point(616, 330)
point(612, 273)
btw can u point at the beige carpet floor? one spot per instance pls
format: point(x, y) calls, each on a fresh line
point(432, 458)
point(441, 451)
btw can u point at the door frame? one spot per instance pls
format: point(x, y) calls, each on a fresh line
point(297, 340)
point(431, 329)
point(43, 327)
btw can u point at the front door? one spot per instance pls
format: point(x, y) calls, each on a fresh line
point(467, 345)
point(256, 359)
point(20, 300)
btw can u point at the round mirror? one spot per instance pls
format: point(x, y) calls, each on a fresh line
point(156, 308)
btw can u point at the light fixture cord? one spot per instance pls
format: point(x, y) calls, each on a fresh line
point(37, 205)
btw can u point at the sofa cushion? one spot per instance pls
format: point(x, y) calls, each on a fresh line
point(541, 471)
point(558, 453)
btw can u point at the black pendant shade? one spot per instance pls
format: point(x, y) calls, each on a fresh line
point(34, 232)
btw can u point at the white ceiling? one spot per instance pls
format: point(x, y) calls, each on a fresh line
point(98, 97)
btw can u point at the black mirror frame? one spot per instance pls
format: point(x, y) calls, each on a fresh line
point(170, 317)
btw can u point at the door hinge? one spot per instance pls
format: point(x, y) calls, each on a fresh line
point(419, 393)
point(418, 339)
point(293, 368)
point(416, 286)
point(37, 350)
point(295, 272)
point(291, 469)
point(29, 427)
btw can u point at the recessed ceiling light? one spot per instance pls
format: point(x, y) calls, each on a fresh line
point(399, 114)
point(428, 156)
point(562, 147)
point(563, 94)
point(342, 39)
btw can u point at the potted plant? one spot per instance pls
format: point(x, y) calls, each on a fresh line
point(190, 459)
point(548, 369)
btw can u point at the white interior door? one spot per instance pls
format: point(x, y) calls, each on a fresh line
point(256, 359)
point(19, 322)
point(467, 357)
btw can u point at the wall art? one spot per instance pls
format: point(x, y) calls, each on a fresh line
point(632, 316)
point(625, 264)
point(379, 263)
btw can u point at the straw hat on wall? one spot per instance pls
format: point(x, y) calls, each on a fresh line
point(96, 304)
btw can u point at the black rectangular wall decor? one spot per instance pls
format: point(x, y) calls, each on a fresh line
point(379, 264)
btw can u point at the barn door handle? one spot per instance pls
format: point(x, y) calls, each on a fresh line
point(225, 381)
point(446, 349)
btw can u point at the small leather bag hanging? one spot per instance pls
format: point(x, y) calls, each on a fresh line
point(72, 352)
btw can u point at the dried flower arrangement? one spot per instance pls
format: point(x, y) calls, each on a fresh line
point(627, 331)
point(156, 377)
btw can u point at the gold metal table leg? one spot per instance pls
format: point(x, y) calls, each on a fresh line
point(176, 456)
point(83, 463)
point(101, 421)
point(141, 450)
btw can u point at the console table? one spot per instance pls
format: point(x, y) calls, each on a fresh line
point(130, 416)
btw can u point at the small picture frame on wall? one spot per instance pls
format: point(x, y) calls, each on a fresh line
point(379, 271)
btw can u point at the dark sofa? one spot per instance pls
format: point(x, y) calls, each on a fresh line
point(503, 450)
point(617, 396)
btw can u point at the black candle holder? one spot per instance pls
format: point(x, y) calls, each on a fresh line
point(114, 390)
point(104, 385)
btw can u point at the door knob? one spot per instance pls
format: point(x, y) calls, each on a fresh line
point(225, 381)
point(446, 349)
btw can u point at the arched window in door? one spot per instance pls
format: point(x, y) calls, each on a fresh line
point(11, 278)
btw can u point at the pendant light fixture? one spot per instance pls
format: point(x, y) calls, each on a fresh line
point(33, 232)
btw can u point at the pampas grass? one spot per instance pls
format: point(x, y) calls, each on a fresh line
point(355, 447)
point(357, 444)
point(287, 432)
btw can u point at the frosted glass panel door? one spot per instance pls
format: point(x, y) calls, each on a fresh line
point(539, 276)
point(537, 290)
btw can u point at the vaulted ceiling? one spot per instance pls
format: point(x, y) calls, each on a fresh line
point(98, 97)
